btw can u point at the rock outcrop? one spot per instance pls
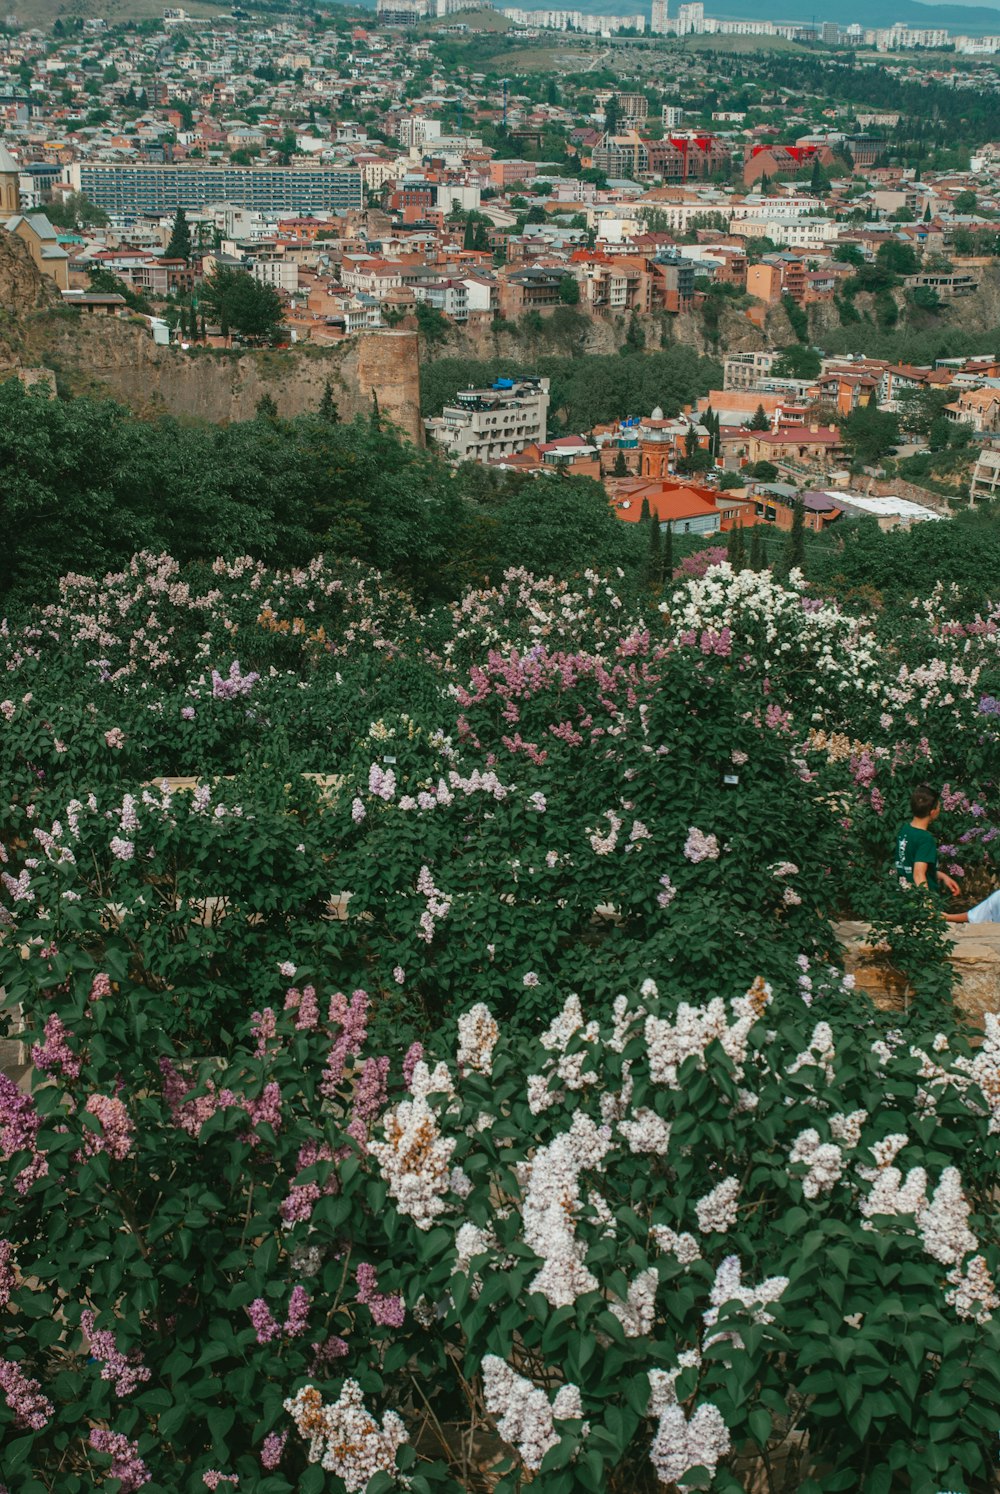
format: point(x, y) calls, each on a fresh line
point(23, 287)
point(105, 356)
point(975, 959)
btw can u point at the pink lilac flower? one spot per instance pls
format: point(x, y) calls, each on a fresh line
point(187, 713)
point(126, 1370)
point(264, 1324)
point(122, 850)
point(352, 1018)
point(530, 980)
point(358, 811)
point(213, 1479)
point(271, 1449)
point(8, 1276)
point(325, 1352)
point(115, 1136)
point(24, 1398)
point(266, 1109)
point(700, 847)
point(414, 1055)
point(55, 1052)
point(386, 1309)
point(370, 1093)
point(126, 1464)
point(263, 1026)
point(19, 1125)
point(234, 684)
point(115, 737)
point(287, 969)
point(303, 1002)
point(398, 974)
point(100, 987)
point(298, 1312)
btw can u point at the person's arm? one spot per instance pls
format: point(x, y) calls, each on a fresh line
point(920, 873)
point(948, 882)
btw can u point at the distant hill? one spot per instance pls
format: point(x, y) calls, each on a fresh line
point(968, 20)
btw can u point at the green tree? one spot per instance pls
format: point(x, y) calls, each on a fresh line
point(798, 361)
point(179, 246)
point(759, 421)
point(896, 258)
point(758, 559)
point(736, 549)
point(965, 203)
point(75, 211)
point(328, 409)
point(869, 434)
point(569, 290)
point(795, 545)
point(266, 407)
point(243, 304)
point(764, 472)
point(620, 468)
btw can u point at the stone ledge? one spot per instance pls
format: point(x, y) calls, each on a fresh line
point(975, 958)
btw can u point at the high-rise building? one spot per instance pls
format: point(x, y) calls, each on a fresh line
point(265, 189)
point(673, 117)
point(691, 18)
point(483, 424)
point(658, 24)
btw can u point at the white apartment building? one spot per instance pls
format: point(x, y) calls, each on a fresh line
point(415, 129)
point(484, 424)
point(672, 117)
point(280, 272)
point(986, 477)
point(795, 233)
point(659, 22)
point(690, 18)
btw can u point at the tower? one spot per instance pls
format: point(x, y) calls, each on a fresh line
point(659, 19)
point(10, 190)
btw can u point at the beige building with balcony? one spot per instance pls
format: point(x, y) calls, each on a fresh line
point(482, 425)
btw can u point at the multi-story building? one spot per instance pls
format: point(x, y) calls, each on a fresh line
point(484, 424)
point(129, 189)
point(633, 109)
point(659, 22)
point(403, 12)
point(674, 275)
point(745, 370)
point(690, 19)
point(672, 117)
point(415, 129)
point(678, 158)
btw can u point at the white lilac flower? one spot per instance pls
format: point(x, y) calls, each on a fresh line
point(891, 1196)
point(718, 1210)
point(972, 1292)
point(344, 1436)
point(681, 1444)
point(823, 1159)
point(637, 1314)
point(700, 847)
point(683, 1247)
point(943, 1223)
point(477, 1037)
point(415, 1160)
point(525, 1418)
point(847, 1128)
point(645, 1131)
point(551, 1198)
point(557, 1035)
point(728, 1287)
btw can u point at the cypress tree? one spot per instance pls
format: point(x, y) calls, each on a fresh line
point(328, 410)
point(736, 552)
point(796, 542)
point(667, 554)
point(179, 246)
point(655, 563)
point(758, 559)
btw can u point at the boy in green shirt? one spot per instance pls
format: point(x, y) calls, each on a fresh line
point(916, 848)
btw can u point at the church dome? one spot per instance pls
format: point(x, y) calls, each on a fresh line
point(657, 414)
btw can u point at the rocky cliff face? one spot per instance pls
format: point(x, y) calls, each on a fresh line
point(102, 356)
point(23, 287)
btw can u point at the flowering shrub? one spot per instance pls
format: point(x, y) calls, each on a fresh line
point(648, 1247)
point(359, 1148)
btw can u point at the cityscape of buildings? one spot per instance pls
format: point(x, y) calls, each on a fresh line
point(371, 186)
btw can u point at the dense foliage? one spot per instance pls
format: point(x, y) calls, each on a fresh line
point(451, 1083)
